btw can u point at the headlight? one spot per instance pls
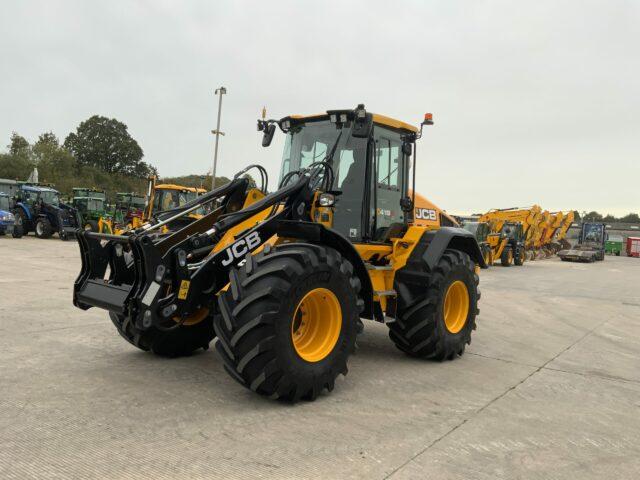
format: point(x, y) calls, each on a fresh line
point(326, 200)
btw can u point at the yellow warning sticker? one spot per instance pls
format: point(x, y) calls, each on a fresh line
point(184, 289)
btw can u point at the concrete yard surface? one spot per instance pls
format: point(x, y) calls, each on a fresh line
point(548, 389)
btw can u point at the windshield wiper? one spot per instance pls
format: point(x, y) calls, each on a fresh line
point(332, 152)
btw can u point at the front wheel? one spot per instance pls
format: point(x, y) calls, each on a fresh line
point(438, 325)
point(507, 257)
point(182, 340)
point(519, 257)
point(20, 222)
point(289, 321)
point(18, 230)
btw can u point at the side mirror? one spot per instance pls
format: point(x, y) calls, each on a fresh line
point(406, 204)
point(406, 148)
point(267, 136)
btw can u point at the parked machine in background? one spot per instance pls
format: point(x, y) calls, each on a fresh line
point(38, 208)
point(633, 247)
point(7, 219)
point(523, 225)
point(591, 244)
point(482, 233)
point(128, 210)
point(90, 205)
point(614, 245)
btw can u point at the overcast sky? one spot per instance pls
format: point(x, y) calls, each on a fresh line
point(533, 102)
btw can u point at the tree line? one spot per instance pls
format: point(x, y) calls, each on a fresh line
point(100, 153)
point(598, 217)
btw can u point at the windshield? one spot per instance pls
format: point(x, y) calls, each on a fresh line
point(50, 197)
point(168, 199)
point(510, 230)
point(471, 227)
point(138, 202)
point(127, 200)
point(312, 142)
point(96, 204)
point(4, 203)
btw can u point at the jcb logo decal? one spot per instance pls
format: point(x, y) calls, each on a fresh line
point(241, 247)
point(426, 214)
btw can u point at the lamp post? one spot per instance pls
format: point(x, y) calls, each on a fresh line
point(219, 91)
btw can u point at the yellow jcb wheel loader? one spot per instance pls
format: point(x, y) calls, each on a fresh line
point(283, 281)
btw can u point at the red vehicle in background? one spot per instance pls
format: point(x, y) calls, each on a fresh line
point(633, 246)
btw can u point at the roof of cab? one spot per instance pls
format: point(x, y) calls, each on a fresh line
point(377, 118)
point(35, 188)
point(171, 186)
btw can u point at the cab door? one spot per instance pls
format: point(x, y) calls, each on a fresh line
point(389, 182)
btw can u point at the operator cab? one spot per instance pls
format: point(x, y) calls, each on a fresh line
point(168, 197)
point(34, 195)
point(370, 162)
point(479, 229)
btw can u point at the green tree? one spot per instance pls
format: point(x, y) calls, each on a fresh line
point(610, 218)
point(18, 163)
point(631, 218)
point(593, 217)
point(19, 145)
point(105, 143)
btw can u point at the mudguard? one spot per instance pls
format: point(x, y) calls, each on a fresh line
point(318, 233)
point(434, 242)
point(411, 280)
point(24, 209)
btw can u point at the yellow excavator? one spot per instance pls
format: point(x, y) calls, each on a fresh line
point(553, 239)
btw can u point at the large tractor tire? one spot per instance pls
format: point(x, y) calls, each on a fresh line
point(91, 226)
point(519, 257)
point(487, 255)
point(18, 231)
point(289, 321)
point(43, 228)
point(438, 324)
point(506, 259)
point(21, 221)
point(180, 341)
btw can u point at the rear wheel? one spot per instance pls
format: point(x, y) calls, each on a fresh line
point(289, 321)
point(507, 257)
point(438, 325)
point(182, 340)
point(43, 228)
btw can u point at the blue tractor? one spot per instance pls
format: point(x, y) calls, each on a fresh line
point(38, 208)
point(7, 220)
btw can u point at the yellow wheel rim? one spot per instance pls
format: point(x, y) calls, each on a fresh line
point(456, 306)
point(316, 325)
point(509, 256)
point(193, 319)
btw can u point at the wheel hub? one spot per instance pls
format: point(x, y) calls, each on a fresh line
point(316, 324)
point(456, 306)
